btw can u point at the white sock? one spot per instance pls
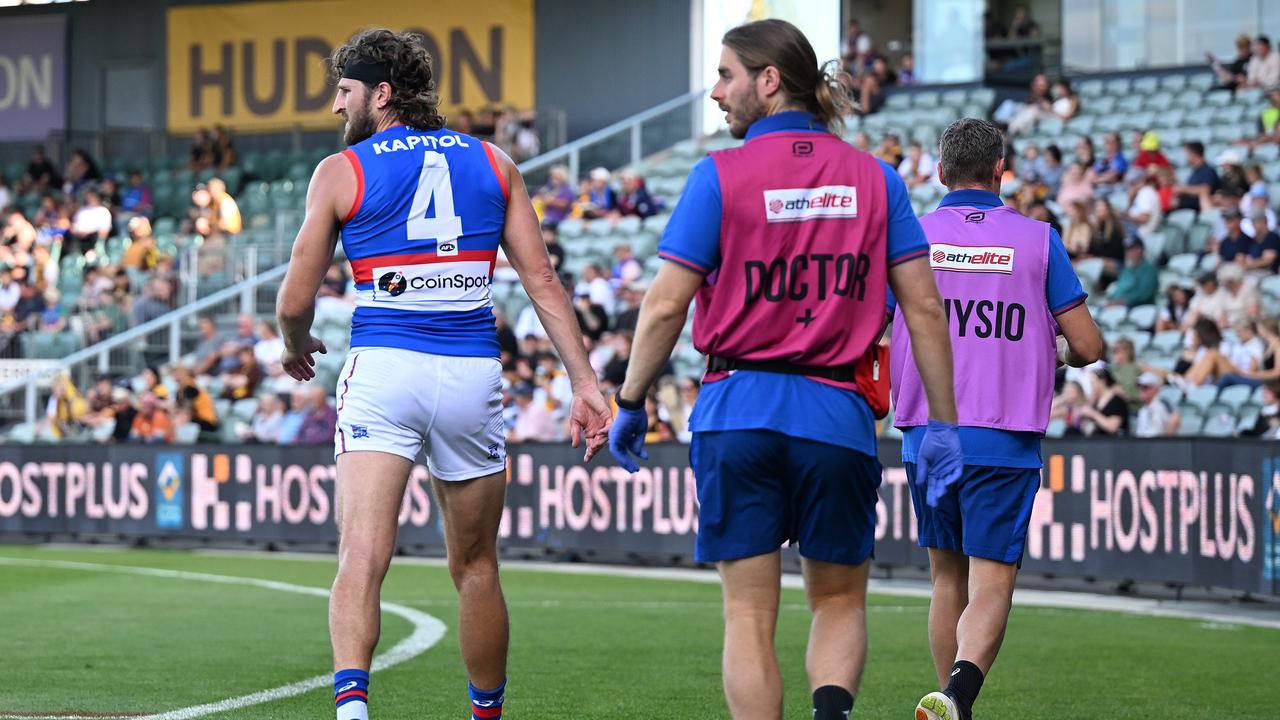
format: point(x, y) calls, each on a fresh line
point(354, 710)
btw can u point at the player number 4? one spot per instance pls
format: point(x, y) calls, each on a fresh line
point(444, 226)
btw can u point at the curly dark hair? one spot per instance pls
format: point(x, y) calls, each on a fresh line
point(413, 87)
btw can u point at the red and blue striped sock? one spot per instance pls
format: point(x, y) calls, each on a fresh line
point(486, 704)
point(351, 694)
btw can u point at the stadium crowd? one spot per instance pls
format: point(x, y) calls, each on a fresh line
point(1114, 204)
point(232, 386)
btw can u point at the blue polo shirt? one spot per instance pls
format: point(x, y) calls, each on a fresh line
point(751, 400)
point(1006, 448)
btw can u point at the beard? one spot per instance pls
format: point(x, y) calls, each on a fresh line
point(360, 124)
point(746, 109)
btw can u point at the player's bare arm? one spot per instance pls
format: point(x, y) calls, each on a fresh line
point(527, 253)
point(917, 295)
point(332, 187)
point(662, 316)
point(1084, 341)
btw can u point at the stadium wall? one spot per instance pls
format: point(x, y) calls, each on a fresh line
point(118, 65)
point(636, 55)
point(1187, 511)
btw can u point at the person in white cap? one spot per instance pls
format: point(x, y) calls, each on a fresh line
point(1157, 416)
point(601, 199)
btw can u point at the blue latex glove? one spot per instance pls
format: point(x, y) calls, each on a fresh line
point(940, 460)
point(626, 437)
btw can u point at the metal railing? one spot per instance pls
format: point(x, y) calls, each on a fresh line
point(140, 340)
point(627, 142)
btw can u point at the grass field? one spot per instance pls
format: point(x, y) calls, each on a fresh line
point(76, 640)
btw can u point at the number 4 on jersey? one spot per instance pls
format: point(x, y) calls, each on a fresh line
point(433, 184)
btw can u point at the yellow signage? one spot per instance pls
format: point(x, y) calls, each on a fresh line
point(260, 66)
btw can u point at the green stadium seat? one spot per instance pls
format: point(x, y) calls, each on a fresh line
point(1171, 395)
point(1266, 153)
point(1198, 236)
point(1130, 103)
point(925, 99)
point(1111, 316)
point(1192, 422)
point(1201, 82)
point(1235, 396)
point(898, 101)
point(1117, 86)
point(1056, 428)
point(983, 97)
point(245, 409)
point(1166, 342)
point(1143, 317)
point(186, 434)
point(1159, 101)
point(1146, 85)
point(23, 433)
point(1218, 98)
point(1201, 397)
point(1189, 99)
point(1091, 88)
point(1219, 424)
point(1270, 286)
point(1248, 418)
point(1090, 270)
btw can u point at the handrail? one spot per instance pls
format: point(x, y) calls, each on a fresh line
point(241, 288)
point(633, 123)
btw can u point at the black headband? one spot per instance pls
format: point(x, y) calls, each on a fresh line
point(364, 71)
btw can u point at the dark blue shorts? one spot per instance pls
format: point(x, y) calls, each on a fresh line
point(984, 515)
point(758, 489)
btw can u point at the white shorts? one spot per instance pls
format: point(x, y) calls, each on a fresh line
point(402, 402)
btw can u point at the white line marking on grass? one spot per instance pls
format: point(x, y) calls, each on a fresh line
point(1063, 599)
point(427, 631)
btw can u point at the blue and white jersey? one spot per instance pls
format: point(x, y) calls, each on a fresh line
point(422, 237)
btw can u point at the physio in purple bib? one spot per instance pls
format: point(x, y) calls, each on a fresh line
point(1009, 293)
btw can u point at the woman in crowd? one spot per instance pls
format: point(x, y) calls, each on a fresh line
point(1079, 231)
point(1108, 237)
point(1068, 407)
point(1075, 186)
point(1177, 304)
point(1108, 414)
point(1267, 370)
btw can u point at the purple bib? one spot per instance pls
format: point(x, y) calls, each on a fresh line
point(991, 266)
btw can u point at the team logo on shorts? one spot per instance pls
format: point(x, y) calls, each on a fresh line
point(493, 452)
point(359, 431)
point(393, 283)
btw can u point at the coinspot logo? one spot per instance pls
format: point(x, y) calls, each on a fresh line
point(393, 283)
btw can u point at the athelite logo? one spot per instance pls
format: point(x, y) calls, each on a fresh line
point(977, 259)
point(801, 204)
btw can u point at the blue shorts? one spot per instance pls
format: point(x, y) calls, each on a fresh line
point(758, 489)
point(984, 515)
